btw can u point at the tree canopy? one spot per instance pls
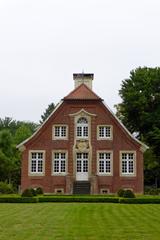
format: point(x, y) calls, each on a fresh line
point(140, 109)
point(47, 112)
point(12, 132)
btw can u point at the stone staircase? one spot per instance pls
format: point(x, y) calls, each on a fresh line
point(81, 187)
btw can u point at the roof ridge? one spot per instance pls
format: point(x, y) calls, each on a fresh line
point(72, 94)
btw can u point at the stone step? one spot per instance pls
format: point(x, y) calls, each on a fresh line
point(81, 187)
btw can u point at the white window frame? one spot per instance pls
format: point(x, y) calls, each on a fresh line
point(105, 137)
point(59, 173)
point(60, 137)
point(85, 165)
point(127, 173)
point(82, 127)
point(36, 173)
point(111, 163)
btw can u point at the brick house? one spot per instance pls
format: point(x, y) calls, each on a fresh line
point(82, 148)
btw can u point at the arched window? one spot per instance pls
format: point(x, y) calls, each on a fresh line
point(82, 128)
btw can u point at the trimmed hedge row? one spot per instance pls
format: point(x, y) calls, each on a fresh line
point(90, 199)
point(79, 199)
point(140, 200)
point(18, 200)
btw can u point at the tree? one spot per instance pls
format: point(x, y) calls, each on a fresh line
point(12, 132)
point(6, 155)
point(47, 112)
point(22, 133)
point(13, 125)
point(140, 110)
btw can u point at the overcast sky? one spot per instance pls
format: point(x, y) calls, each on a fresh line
point(42, 43)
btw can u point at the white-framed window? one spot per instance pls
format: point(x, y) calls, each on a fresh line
point(82, 128)
point(36, 162)
point(128, 163)
point(104, 163)
point(60, 132)
point(104, 132)
point(82, 162)
point(59, 162)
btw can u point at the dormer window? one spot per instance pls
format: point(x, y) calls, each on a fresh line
point(82, 128)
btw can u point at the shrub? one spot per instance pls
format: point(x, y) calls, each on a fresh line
point(120, 192)
point(151, 191)
point(34, 192)
point(39, 191)
point(125, 193)
point(27, 193)
point(128, 194)
point(6, 188)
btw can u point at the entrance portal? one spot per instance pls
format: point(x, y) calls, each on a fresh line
point(82, 167)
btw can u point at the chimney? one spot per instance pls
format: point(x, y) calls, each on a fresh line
point(85, 78)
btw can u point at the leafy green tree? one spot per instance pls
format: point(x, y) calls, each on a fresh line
point(13, 125)
point(6, 142)
point(140, 112)
point(47, 112)
point(22, 133)
point(6, 154)
point(12, 132)
point(140, 95)
point(3, 166)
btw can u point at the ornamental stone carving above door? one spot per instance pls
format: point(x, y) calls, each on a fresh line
point(82, 145)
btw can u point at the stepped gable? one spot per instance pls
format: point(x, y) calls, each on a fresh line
point(82, 93)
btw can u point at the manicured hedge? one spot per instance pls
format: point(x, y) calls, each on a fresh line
point(81, 199)
point(78, 199)
point(18, 200)
point(140, 200)
point(88, 199)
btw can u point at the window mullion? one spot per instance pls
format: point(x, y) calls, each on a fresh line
point(61, 165)
point(127, 165)
point(60, 131)
point(59, 162)
point(36, 162)
point(105, 132)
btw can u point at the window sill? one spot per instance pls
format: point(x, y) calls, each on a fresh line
point(128, 175)
point(59, 174)
point(82, 138)
point(105, 174)
point(104, 139)
point(36, 174)
point(60, 138)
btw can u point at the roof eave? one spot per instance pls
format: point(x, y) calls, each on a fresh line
point(21, 146)
point(143, 147)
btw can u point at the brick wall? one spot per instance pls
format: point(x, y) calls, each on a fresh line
point(121, 141)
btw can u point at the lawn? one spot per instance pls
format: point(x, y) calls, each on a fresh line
point(79, 221)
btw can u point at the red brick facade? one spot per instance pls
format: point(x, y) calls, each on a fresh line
point(98, 114)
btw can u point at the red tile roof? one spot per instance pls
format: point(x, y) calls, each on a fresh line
point(82, 92)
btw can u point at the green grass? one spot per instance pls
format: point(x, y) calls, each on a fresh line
point(79, 221)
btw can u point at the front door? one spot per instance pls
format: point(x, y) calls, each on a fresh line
point(82, 167)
